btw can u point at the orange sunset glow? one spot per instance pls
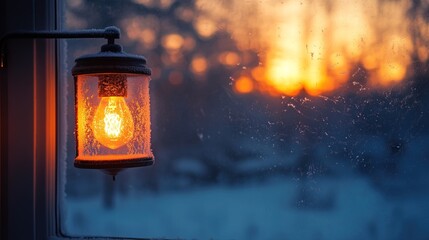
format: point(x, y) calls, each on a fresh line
point(314, 46)
point(302, 46)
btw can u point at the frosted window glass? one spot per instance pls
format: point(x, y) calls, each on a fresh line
point(270, 120)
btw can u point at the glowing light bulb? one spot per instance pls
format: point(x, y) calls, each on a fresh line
point(113, 124)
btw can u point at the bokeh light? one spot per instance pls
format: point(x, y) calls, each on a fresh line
point(313, 46)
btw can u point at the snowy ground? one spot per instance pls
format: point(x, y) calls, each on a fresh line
point(348, 208)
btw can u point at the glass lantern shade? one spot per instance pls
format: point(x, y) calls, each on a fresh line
point(112, 110)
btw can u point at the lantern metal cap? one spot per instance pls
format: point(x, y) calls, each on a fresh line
point(115, 164)
point(111, 59)
point(112, 168)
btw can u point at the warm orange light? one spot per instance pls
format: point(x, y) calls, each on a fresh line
point(285, 76)
point(113, 124)
point(258, 73)
point(229, 58)
point(391, 73)
point(243, 85)
point(205, 27)
point(199, 65)
point(317, 51)
point(173, 42)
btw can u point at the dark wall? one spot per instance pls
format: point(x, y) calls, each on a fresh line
point(23, 120)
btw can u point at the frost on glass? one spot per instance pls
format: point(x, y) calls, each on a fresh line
point(270, 120)
point(131, 97)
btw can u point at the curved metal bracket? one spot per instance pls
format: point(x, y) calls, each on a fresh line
point(110, 33)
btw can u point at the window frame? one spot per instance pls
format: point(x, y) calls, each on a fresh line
point(29, 167)
point(29, 136)
point(28, 123)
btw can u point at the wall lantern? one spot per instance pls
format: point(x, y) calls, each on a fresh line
point(111, 103)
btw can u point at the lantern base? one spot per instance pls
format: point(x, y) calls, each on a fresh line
point(93, 163)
